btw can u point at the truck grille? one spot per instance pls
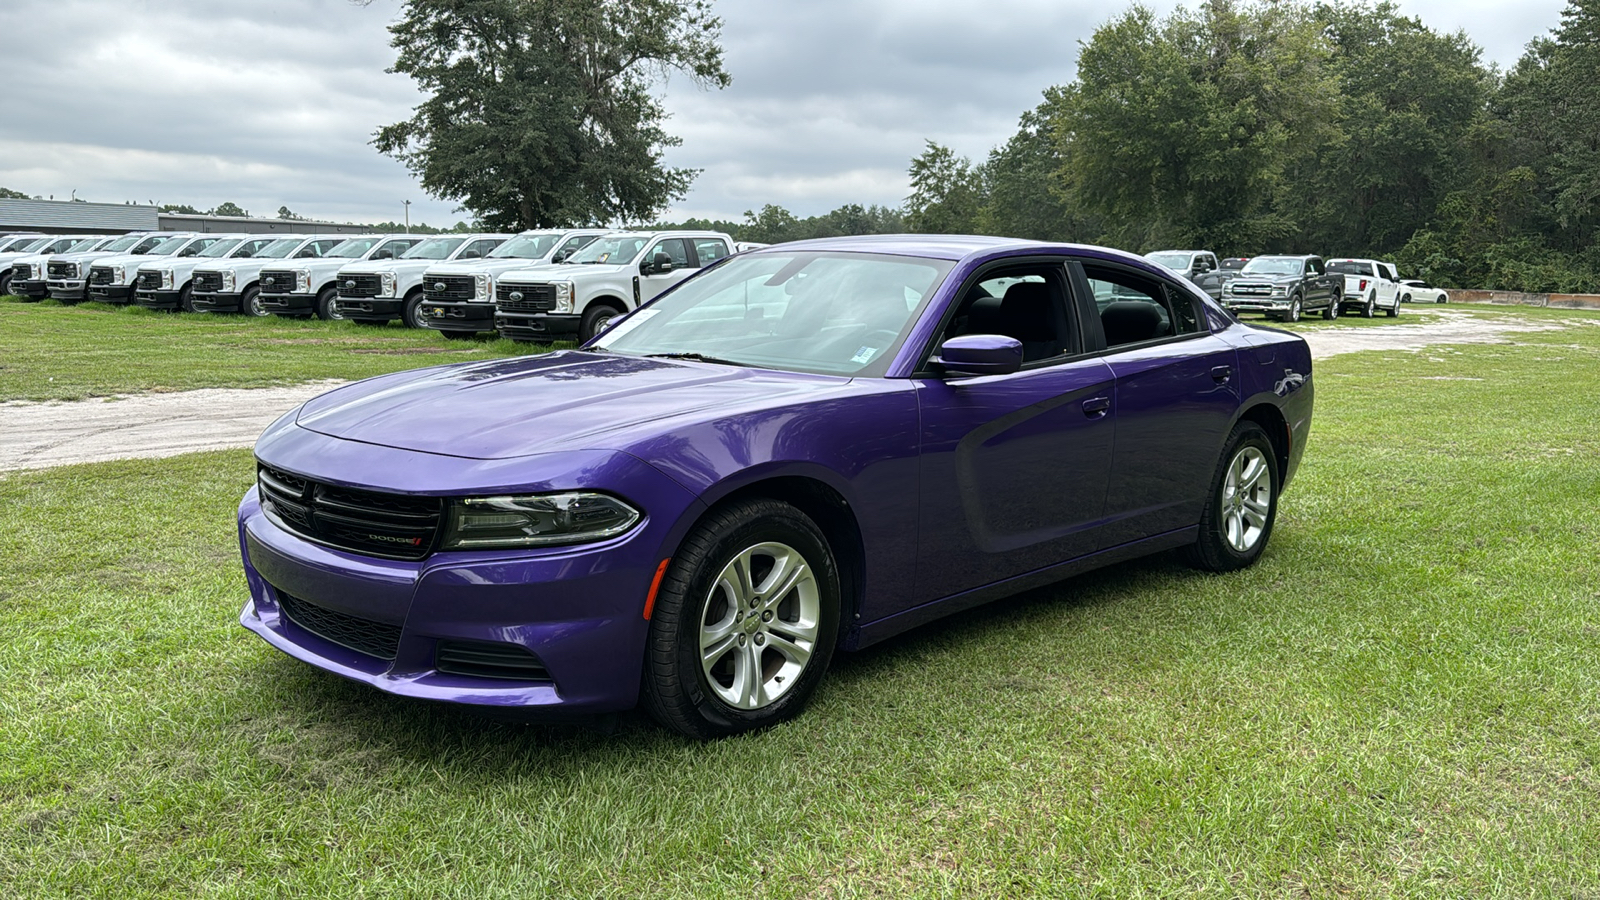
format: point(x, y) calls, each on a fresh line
point(359, 285)
point(448, 287)
point(1251, 289)
point(100, 275)
point(206, 283)
point(63, 270)
point(393, 526)
point(147, 281)
point(276, 281)
point(525, 297)
point(361, 635)
point(21, 272)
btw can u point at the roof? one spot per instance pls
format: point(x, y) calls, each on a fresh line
point(54, 214)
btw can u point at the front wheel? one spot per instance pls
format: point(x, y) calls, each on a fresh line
point(1394, 310)
point(328, 306)
point(186, 300)
point(595, 320)
point(1242, 506)
point(411, 310)
point(744, 623)
point(251, 303)
point(1293, 313)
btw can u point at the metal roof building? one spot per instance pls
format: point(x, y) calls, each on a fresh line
point(72, 217)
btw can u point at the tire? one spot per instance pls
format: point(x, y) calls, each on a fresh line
point(250, 304)
point(1441, 298)
point(1406, 299)
point(327, 306)
point(1234, 530)
point(185, 300)
point(1293, 313)
point(595, 319)
point(709, 694)
point(1332, 312)
point(409, 310)
point(459, 335)
point(5, 284)
point(1394, 311)
point(1370, 306)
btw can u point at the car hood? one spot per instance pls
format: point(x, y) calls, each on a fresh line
point(127, 259)
point(568, 400)
point(490, 266)
point(573, 271)
point(369, 267)
point(1273, 279)
point(83, 255)
point(241, 265)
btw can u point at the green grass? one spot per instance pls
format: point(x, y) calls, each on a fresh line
point(49, 351)
point(1401, 699)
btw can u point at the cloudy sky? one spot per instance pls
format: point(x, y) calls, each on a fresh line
point(272, 103)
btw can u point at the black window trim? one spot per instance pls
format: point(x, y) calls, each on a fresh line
point(1088, 310)
point(1058, 264)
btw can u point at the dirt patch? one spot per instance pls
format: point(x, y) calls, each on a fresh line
point(1439, 328)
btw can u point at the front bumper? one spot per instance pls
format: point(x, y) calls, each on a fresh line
point(111, 293)
point(68, 291)
point(32, 289)
point(443, 315)
point(216, 302)
point(294, 304)
point(1255, 304)
point(158, 299)
point(577, 610)
point(369, 307)
point(535, 326)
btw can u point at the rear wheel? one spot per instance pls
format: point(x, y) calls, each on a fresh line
point(1332, 312)
point(410, 311)
point(1369, 307)
point(250, 304)
point(328, 306)
point(744, 623)
point(1242, 506)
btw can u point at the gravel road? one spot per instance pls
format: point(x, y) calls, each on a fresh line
point(41, 435)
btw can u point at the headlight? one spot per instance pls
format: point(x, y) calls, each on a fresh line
point(302, 281)
point(167, 279)
point(387, 282)
point(536, 520)
point(119, 274)
point(482, 288)
point(1280, 291)
point(78, 270)
point(563, 296)
point(230, 281)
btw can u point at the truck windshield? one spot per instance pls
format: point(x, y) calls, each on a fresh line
point(249, 247)
point(279, 249)
point(1177, 262)
point(25, 246)
point(83, 244)
point(355, 248)
point(220, 248)
point(1349, 267)
point(616, 249)
point(525, 246)
point(168, 246)
point(1273, 265)
point(437, 248)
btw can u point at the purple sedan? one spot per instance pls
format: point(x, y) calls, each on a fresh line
point(804, 448)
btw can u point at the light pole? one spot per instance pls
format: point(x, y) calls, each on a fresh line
point(408, 215)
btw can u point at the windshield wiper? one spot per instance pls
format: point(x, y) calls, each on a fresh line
point(697, 357)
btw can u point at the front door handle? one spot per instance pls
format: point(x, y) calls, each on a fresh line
point(1221, 374)
point(1095, 407)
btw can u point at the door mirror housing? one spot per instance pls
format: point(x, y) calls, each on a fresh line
point(980, 354)
point(383, 254)
point(471, 254)
point(658, 264)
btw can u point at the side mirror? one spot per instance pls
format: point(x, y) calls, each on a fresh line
point(307, 253)
point(561, 256)
point(383, 254)
point(657, 265)
point(471, 254)
point(981, 354)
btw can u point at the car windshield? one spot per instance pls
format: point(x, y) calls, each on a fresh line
point(616, 249)
point(436, 248)
point(355, 248)
point(525, 246)
point(1349, 267)
point(220, 248)
point(26, 245)
point(824, 312)
point(1177, 262)
point(278, 249)
point(1273, 265)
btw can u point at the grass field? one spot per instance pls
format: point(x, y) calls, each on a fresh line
point(53, 352)
point(1401, 699)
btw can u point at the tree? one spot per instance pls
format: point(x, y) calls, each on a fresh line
point(1026, 196)
point(947, 193)
point(541, 112)
point(285, 212)
point(229, 209)
point(182, 209)
point(8, 194)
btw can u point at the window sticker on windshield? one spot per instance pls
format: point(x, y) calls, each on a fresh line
point(864, 355)
point(630, 323)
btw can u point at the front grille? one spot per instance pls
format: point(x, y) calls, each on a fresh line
point(525, 297)
point(63, 270)
point(1247, 289)
point(448, 287)
point(21, 272)
point(361, 635)
point(359, 285)
point(394, 526)
point(100, 275)
point(206, 283)
point(276, 281)
point(147, 281)
point(485, 660)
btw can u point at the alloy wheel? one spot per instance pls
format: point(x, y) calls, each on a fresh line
point(1246, 499)
point(759, 625)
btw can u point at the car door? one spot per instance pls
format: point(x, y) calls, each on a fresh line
point(1317, 284)
point(1014, 466)
point(652, 283)
point(1175, 396)
point(1388, 286)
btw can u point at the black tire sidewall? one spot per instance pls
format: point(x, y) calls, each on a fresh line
point(588, 326)
point(1211, 549)
point(247, 303)
point(325, 306)
point(409, 308)
point(675, 686)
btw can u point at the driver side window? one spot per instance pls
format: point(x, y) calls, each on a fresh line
point(1026, 303)
point(675, 249)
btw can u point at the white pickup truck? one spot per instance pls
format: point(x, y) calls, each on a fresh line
point(169, 283)
point(305, 287)
point(111, 279)
point(611, 276)
point(374, 293)
point(234, 285)
point(67, 275)
point(1369, 285)
point(458, 297)
point(30, 275)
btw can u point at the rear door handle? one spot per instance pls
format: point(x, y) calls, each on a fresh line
point(1221, 374)
point(1095, 407)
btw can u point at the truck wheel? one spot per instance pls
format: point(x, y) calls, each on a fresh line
point(1394, 310)
point(5, 284)
point(410, 313)
point(328, 306)
point(1293, 315)
point(185, 300)
point(1370, 307)
point(595, 320)
point(250, 304)
point(1332, 312)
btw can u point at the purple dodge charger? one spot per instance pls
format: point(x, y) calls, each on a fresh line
point(804, 448)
